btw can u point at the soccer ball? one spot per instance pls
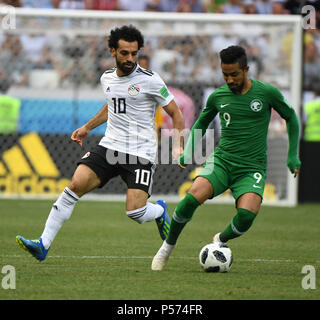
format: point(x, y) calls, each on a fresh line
point(216, 257)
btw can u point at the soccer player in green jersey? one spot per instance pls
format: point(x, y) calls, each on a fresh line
point(239, 161)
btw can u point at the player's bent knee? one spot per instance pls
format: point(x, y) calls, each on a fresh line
point(250, 201)
point(77, 187)
point(83, 181)
point(201, 189)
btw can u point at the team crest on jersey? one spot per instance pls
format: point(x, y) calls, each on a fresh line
point(133, 90)
point(256, 105)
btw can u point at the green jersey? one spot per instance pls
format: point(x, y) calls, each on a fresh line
point(244, 123)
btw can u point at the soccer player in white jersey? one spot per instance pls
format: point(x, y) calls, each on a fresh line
point(129, 146)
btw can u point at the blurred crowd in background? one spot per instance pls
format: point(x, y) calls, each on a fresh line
point(184, 59)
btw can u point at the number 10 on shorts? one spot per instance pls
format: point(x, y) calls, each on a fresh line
point(142, 176)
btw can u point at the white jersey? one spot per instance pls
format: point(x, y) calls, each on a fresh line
point(132, 103)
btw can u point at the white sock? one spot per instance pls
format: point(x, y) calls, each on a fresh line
point(167, 247)
point(60, 213)
point(147, 213)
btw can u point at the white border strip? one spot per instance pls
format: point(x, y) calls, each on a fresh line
point(156, 16)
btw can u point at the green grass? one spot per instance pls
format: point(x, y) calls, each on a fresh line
point(101, 254)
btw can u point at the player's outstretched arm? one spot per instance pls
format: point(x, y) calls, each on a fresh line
point(287, 113)
point(293, 160)
point(202, 123)
point(80, 134)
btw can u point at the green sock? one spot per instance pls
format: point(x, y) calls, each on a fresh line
point(240, 223)
point(183, 214)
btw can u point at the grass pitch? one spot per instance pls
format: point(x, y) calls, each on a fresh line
point(101, 254)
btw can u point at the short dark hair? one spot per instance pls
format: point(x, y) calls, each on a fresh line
point(127, 33)
point(234, 54)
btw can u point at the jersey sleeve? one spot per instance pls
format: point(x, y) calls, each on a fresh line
point(159, 91)
point(202, 123)
point(103, 82)
point(279, 103)
point(209, 112)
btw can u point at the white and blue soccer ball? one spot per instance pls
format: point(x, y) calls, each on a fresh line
point(216, 257)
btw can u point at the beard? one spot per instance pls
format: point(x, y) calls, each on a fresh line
point(236, 89)
point(126, 67)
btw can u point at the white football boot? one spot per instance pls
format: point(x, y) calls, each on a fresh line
point(160, 259)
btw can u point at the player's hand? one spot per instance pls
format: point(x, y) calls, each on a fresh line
point(181, 166)
point(294, 164)
point(79, 135)
point(296, 172)
point(180, 161)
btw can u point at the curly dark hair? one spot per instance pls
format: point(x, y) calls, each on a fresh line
point(127, 33)
point(234, 54)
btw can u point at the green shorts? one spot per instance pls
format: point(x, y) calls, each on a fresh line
point(240, 179)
